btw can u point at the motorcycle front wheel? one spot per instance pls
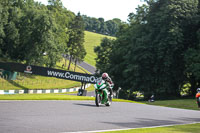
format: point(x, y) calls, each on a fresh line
point(97, 100)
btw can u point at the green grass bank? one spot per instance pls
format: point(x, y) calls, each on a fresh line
point(92, 40)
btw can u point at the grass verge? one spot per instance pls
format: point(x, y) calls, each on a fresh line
point(52, 97)
point(189, 128)
point(43, 97)
point(180, 103)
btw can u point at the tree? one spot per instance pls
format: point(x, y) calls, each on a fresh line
point(151, 53)
point(29, 29)
point(140, 17)
point(76, 40)
point(167, 21)
point(9, 36)
point(191, 56)
point(103, 28)
point(3, 22)
point(127, 57)
point(103, 51)
point(63, 19)
point(37, 36)
point(193, 69)
point(112, 27)
point(56, 3)
point(109, 27)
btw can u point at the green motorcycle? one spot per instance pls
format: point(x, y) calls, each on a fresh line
point(103, 96)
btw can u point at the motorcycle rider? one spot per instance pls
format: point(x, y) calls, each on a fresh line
point(109, 82)
point(197, 97)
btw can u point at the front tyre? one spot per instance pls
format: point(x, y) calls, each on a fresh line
point(97, 100)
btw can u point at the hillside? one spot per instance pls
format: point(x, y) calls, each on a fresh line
point(92, 40)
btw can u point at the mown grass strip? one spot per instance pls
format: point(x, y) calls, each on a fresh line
point(43, 97)
point(52, 97)
point(189, 128)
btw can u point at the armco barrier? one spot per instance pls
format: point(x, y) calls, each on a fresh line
point(40, 91)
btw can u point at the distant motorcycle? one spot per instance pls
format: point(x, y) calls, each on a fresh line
point(101, 92)
point(198, 99)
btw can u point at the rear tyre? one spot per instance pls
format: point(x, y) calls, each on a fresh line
point(97, 100)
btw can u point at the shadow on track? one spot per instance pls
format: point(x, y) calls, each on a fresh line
point(83, 104)
point(154, 122)
point(144, 122)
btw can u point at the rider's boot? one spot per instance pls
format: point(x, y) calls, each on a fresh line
point(111, 92)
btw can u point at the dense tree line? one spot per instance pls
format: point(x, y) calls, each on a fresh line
point(101, 26)
point(157, 52)
point(33, 33)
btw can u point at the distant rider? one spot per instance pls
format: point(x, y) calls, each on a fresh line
point(197, 97)
point(108, 81)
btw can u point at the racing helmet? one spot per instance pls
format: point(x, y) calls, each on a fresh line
point(104, 76)
point(198, 89)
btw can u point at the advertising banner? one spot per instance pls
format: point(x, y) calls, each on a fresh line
point(49, 72)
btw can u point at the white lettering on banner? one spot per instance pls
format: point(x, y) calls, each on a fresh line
point(81, 78)
point(68, 75)
point(92, 79)
point(71, 76)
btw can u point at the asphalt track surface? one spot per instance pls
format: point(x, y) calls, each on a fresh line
point(81, 116)
point(87, 67)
